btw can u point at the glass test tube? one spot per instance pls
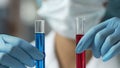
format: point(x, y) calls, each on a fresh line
point(40, 41)
point(80, 58)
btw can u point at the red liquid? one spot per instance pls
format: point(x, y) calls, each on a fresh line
point(80, 58)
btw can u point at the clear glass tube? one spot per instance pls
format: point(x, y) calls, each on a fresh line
point(80, 58)
point(80, 21)
point(39, 26)
point(40, 41)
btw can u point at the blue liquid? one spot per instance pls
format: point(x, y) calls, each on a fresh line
point(40, 44)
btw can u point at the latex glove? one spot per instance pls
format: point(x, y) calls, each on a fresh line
point(103, 39)
point(17, 53)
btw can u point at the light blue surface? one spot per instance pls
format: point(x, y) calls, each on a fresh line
point(39, 2)
point(103, 39)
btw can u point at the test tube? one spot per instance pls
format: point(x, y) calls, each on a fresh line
point(80, 58)
point(40, 41)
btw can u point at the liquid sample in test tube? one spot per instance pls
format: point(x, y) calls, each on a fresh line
point(40, 41)
point(80, 58)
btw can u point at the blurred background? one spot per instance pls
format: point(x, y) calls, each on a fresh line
point(17, 18)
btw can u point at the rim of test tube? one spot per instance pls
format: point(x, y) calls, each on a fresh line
point(39, 26)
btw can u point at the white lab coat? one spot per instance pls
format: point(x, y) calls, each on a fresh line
point(61, 14)
point(52, 62)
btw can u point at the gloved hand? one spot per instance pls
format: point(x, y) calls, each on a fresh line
point(103, 39)
point(17, 53)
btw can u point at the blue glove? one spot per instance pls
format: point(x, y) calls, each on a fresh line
point(103, 39)
point(17, 53)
